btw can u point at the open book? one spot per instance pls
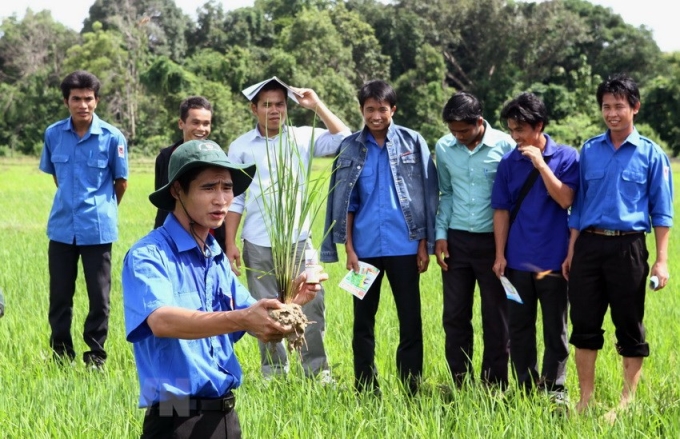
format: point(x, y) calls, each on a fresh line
point(359, 283)
point(253, 90)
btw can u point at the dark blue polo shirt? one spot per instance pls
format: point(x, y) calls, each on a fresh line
point(539, 237)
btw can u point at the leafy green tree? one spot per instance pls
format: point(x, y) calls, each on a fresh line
point(33, 44)
point(28, 108)
point(367, 59)
point(31, 68)
point(661, 104)
point(615, 46)
point(165, 25)
point(421, 97)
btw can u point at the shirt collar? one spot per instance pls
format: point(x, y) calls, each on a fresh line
point(256, 133)
point(365, 133)
point(550, 148)
point(485, 140)
point(95, 126)
point(183, 239)
point(633, 138)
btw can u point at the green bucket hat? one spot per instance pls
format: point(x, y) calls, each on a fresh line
point(196, 153)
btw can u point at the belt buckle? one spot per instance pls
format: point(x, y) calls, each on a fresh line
point(228, 403)
point(610, 232)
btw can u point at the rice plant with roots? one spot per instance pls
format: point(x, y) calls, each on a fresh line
point(291, 201)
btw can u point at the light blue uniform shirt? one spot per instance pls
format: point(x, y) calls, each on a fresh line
point(85, 208)
point(167, 268)
point(466, 181)
point(624, 189)
point(379, 225)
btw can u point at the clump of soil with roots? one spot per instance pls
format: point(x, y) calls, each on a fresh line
point(291, 314)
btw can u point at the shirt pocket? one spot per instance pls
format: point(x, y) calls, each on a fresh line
point(96, 169)
point(633, 184)
point(366, 182)
point(593, 179)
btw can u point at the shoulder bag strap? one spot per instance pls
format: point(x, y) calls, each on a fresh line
point(531, 179)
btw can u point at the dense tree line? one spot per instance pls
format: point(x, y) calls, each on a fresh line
point(150, 55)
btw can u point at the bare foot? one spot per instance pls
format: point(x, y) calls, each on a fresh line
point(582, 406)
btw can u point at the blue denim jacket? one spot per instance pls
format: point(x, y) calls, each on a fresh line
point(415, 179)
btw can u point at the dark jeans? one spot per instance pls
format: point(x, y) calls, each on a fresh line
point(471, 258)
point(197, 425)
point(609, 271)
point(63, 267)
point(551, 291)
point(402, 274)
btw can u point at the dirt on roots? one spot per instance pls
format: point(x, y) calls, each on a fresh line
point(291, 314)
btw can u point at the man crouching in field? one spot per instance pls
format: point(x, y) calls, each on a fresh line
point(185, 309)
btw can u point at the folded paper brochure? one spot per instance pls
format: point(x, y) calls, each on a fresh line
point(359, 282)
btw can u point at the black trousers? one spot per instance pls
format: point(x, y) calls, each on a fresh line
point(471, 258)
point(402, 274)
point(196, 425)
point(63, 267)
point(609, 271)
point(551, 291)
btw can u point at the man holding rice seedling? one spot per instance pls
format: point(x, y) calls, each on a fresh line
point(625, 190)
point(532, 193)
point(382, 207)
point(269, 106)
point(185, 308)
point(467, 160)
point(87, 158)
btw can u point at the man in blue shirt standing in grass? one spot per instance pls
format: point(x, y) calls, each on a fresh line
point(87, 158)
point(185, 308)
point(532, 236)
point(625, 190)
point(467, 160)
point(383, 203)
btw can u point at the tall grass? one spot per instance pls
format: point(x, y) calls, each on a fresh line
point(39, 399)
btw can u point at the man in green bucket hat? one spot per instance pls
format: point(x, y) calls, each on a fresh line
point(185, 308)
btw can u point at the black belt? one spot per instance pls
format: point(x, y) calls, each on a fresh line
point(224, 404)
point(606, 232)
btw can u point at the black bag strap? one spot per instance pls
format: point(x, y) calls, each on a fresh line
point(531, 179)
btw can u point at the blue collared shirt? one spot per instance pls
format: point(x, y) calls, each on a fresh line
point(379, 225)
point(539, 237)
point(167, 268)
point(466, 180)
point(85, 208)
point(629, 188)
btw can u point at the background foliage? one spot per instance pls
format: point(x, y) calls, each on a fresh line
point(150, 55)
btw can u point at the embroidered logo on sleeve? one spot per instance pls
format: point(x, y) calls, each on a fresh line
point(121, 151)
point(666, 172)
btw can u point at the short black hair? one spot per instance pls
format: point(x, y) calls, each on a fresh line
point(527, 107)
point(379, 90)
point(80, 79)
point(271, 85)
point(462, 107)
point(193, 102)
point(621, 86)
